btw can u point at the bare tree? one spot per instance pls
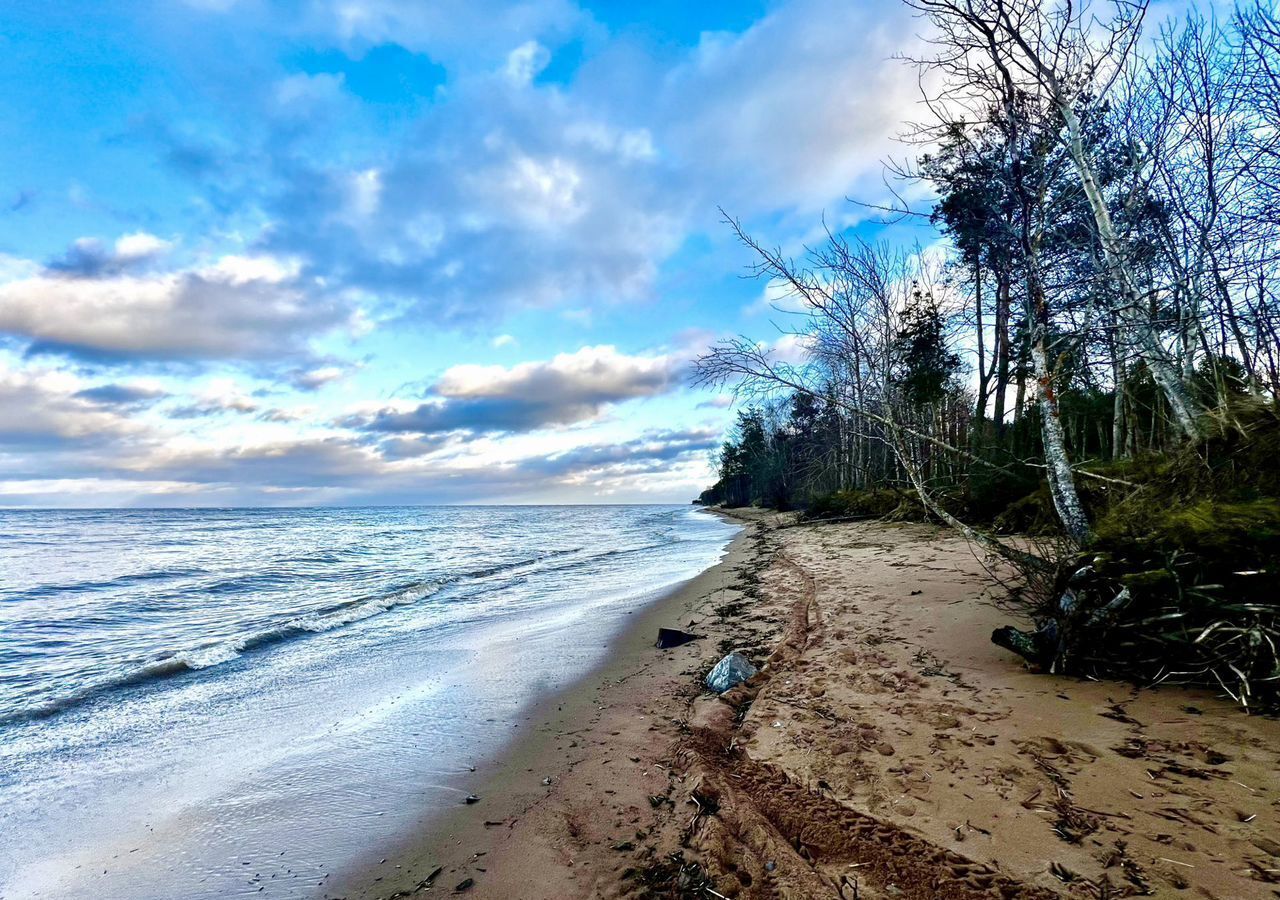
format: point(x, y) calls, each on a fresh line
point(856, 295)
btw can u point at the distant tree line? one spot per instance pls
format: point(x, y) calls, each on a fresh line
point(1100, 331)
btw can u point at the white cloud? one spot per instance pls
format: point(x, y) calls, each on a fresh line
point(218, 395)
point(364, 193)
point(575, 194)
point(543, 193)
point(628, 144)
point(89, 257)
point(786, 115)
point(589, 372)
point(569, 388)
point(13, 268)
point(460, 33)
point(525, 62)
point(490, 190)
point(140, 246)
point(235, 269)
point(792, 349)
point(40, 407)
point(314, 379)
point(719, 401)
point(308, 100)
point(778, 297)
point(286, 416)
point(238, 307)
point(99, 444)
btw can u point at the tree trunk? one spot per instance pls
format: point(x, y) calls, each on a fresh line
point(1118, 406)
point(984, 373)
point(1062, 485)
point(1130, 308)
point(1001, 351)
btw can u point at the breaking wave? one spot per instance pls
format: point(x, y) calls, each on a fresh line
point(194, 659)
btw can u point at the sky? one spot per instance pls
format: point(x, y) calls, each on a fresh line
point(337, 252)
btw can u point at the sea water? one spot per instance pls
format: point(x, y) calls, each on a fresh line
point(216, 703)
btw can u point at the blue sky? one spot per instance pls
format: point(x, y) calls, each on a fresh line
point(406, 251)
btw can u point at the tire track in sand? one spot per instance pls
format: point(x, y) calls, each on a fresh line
point(764, 835)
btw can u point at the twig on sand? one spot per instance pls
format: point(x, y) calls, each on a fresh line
point(1111, 815)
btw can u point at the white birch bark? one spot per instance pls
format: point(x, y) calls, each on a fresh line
point(1062, 485)
point(1129, 306)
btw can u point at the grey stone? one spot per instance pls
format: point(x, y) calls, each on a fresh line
point(730, 672)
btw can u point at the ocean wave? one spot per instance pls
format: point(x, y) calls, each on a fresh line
point(208, 656)
point(78, 587)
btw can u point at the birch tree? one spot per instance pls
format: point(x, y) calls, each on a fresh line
point(1059, 56)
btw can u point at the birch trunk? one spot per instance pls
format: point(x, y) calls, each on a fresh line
point(1129, 310)
point(1118, 406)
point(1062, 485)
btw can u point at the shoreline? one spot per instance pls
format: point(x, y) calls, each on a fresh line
point(509, 783)
point(888, 749)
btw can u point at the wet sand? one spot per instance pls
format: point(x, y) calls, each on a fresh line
point(888, 749)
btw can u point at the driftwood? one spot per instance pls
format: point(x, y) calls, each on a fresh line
point(1051, 644)
point(674, 637)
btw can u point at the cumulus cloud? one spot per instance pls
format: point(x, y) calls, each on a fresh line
point(507, 182)
point(571, 387)
point(460, 33)
point(412, 446)
point(304, 95)
point(507, 193)
point(50, 409)
point(525, 62)
point(405, 469)
point(778, 297)
point(284, 416)
point(300, 462)
point(90, 257)
point(792, 349)
point(501, 199)
point(237, 308)
point(648, 452)
point(720, 401)
point(96, 450)
point(534, 195)
point(139, 246)
point(785, 115)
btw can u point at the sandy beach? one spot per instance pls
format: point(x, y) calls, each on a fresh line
point(887, 749)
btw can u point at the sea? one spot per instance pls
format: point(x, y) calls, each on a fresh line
point(209, 703)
